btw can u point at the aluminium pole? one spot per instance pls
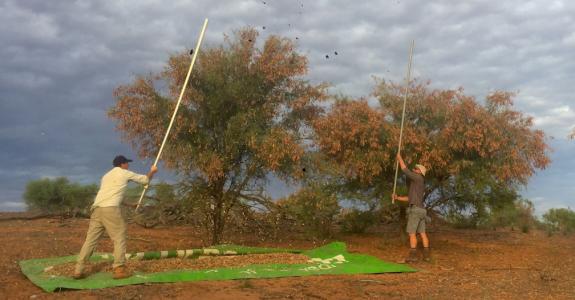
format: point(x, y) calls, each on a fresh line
point(408, 79)
point(195, 54)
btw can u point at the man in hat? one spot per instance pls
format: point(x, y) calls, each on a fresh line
point(106, 215)
point(416, 213)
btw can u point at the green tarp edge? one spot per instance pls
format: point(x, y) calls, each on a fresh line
point(331, 259)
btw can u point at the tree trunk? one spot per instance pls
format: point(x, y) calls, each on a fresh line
point(218, 222)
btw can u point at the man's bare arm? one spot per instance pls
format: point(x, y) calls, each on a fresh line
point(153, 171)
point(400, 198)
point(401, 162)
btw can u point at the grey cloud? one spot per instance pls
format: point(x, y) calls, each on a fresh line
point(554, 187)
point(12, 206)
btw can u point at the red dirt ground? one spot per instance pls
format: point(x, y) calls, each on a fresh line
point(468, 264)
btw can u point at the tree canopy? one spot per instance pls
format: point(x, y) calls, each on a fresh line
point(242, 117)
point(473, 151)
point(248, 112)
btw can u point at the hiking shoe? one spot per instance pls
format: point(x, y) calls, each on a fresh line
point(427, 254)
point(412, 256)
point(121, 272)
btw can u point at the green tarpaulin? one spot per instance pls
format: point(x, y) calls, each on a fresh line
point(329, 259)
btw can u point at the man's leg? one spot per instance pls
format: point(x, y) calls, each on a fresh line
point(413, 240)
point(426, 249)
point(116, 229)
point(421, 226)
point(424, 240)
point(95, 230)
point(411, 230)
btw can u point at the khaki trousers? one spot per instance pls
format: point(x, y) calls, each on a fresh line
point(109, 219)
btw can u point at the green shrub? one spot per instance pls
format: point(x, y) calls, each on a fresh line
point(559, 220)
point(525, 228)
point(59, 196)
point(314, 208)
point(357, 221)
point(463, 221)
point(163, 204)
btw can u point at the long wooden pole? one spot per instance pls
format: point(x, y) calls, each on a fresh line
point(407, 80)
point(195, 54)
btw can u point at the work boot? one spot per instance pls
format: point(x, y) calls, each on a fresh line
point(412, 256)
point(79, 275)
point(121, 272)
point(79, 272)
point(426, 254)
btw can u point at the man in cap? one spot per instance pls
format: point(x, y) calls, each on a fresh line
point(106, 215)
point(416, 213)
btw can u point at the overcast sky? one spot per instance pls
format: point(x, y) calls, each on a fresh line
point(60, 61)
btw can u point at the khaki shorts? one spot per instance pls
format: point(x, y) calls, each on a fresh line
point(416, 219)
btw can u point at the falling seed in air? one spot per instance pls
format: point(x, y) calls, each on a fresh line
point(191, 51)
point(303, 169)
point(263, 27)
point(335, 53)
point(297, 38)
point(263, 2)
point(326, 56)
point(250, 40)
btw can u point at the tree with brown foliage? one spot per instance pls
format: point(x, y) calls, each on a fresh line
point(242, 117)
point(473, 151)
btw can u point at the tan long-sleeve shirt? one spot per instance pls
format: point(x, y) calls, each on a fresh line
point(113, 186)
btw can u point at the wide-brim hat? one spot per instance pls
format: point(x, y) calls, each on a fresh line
point(421, 168)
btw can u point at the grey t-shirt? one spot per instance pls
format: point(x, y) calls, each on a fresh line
point(416, 187)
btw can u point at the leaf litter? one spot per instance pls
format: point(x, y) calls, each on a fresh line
point(171, 264)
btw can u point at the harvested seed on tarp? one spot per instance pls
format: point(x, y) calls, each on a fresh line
point(201, 263)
